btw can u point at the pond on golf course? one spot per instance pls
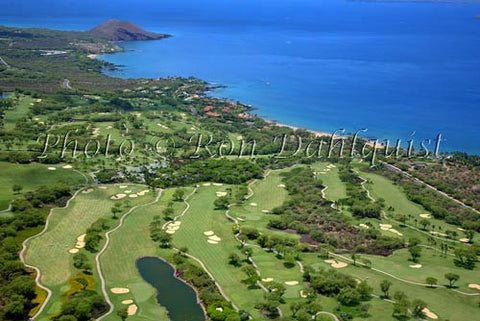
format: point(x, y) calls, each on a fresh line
point(177, 297)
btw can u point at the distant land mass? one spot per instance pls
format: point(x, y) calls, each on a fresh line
point(116, 30)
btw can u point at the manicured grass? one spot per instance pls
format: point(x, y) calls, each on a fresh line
point(447, 304)
point(380, 187)
point(202, 217)
point(49, 252)
point(336, 188)
point(31, 176)
point(19, 111)
point(118, 262)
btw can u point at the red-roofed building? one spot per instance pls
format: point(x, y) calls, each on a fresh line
point(208, 108)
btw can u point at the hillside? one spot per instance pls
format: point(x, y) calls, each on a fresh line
point(116, 30)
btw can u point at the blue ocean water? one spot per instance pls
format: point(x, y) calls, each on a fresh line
point(396, 68)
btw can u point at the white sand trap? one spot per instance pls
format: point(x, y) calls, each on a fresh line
point(132, 309)
point(212, 242)
point(438, 233)
point(265, 211)
point(73, 251)
point(103, 187)
point(119, 290)
point(221, 194)
point(127, 301)
point(171, 231)
point(206, 184)
point(80, 245)
point(123, 186)
point(214, 238)
point(464, 240)
point(415, 266)
point(322, 173)
point(128, 192)
point(81, 238)
point(142, 193)
point(118, 196)
point(173, 228)
point(267, 280)
point(385, 227)
point(52, 169)
point(87, 191)
point(425, 215)
point(67, 167)
point(430, 314)
point(291, 282)
point(176, 223)
point(281, 185)
point(336, 264)
point(395, 231)
point(302, 294)
point(253, 204)
point(209, 233)
point(365, 226)
point(474, 286)
point(109, 127)
point(96, 131)
point(460, 229)
point(217, 184)
point(133, 195)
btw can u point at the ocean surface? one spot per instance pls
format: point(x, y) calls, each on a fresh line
point(404, 70)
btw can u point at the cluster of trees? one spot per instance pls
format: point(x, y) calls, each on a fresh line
point(94, 233)
point(157, 234)
point(17, 285)
point(343, 287)
point(309, 214)
point(217, 170)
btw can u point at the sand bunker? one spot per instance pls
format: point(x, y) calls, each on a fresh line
point(80, 241)
point(128, 192)
point(176, 223)
point(430, 314)
point(212, 242)
point(118, 196)
point(171, 231)
point(221, 194)
point(336, 264)
point(123, 186)
point(474, 286)
point(265, 211)
point(291, 282)
point(385, 227)
point(302, 294)
point(206, 184)
point(102, 187)
point(132, 309)
point(267, 280)
point(73, 251)
point(464, 240)
point(395, 231)
point(127, 301)
point(52, 169)
point(163, 126)
point(87, 191)
point(67, 167)
point(363, 226)
point(119, 290)
point(133, 195)
point(209, 233)
point(253, 204)
point(142, 193)
point(281, 185)
point(425, 216)
point(460, 229)
point(217, 184)
point(214, 238)
point(415, 266)
point(438, 233)
point(173, 228)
